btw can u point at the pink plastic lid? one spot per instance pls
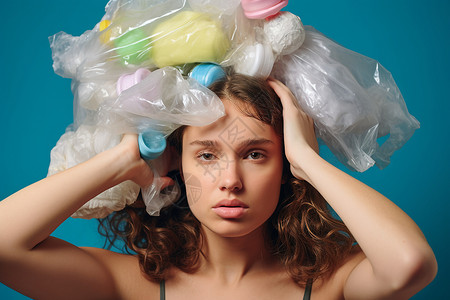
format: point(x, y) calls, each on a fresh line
point(260, 9)
point(128, 80)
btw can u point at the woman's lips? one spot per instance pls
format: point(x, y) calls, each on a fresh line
point(230, 209)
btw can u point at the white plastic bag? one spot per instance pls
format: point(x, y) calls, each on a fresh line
point(163, 101)
point(75, 147)
point(352, 99)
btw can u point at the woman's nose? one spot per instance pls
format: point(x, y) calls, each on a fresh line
point(230, 179)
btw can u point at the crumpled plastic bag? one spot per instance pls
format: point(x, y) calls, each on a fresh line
point(353, 100)
point(75, 147)
point(163, 101)
point(137, 34)
point(133, 35)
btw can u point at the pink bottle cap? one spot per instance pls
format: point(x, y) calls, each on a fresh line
point(260, 9)
point(128, 80)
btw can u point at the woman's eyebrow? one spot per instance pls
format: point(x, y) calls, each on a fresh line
point(205, 143)
point(253, 142)
point(239, 144)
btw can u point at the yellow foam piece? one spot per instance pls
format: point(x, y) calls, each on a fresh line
point(188, 37)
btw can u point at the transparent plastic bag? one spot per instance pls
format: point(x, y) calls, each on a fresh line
point(215, 6)
point(75, 147)
point(138, 34)
point(153, 34)
point(135, 35)
point(352, 99)
point(259, 43)
point(163, 101)
point(131, 74)
point(154, 196)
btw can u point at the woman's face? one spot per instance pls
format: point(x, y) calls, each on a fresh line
point(232, 170)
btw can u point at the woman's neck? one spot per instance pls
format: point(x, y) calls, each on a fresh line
point(229, 259)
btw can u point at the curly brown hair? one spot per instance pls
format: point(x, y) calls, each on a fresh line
point(302, 232)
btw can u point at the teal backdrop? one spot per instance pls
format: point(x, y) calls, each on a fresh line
point(409, 37)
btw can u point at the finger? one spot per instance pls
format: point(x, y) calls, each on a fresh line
point(129, 137)
point(279, 85)
point(145, 177)
point(166, 181)
point(287, 99)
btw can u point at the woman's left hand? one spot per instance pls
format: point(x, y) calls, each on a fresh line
point(298, 127)
point(398, 261)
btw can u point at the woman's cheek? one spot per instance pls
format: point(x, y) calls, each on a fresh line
point(198, 181)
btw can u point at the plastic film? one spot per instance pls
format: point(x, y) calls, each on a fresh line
point(352, 99)
point(145, 68)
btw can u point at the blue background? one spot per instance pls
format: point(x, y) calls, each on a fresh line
point(409, 37)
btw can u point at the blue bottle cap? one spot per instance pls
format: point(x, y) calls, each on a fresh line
point(207, 74)
point(151, 144)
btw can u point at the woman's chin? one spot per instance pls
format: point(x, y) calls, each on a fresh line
point(231, 228)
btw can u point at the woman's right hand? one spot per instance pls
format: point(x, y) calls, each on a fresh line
point(136, 169)
point(45, 267)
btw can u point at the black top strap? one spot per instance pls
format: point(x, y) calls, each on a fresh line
point(162, 290)
point(308, 288)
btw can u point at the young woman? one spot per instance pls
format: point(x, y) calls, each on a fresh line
point(253, 222)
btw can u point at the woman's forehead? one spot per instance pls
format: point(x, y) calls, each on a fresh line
point(232, 128)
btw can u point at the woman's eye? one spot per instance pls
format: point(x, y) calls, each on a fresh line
point(255, 155)
point(206, 156)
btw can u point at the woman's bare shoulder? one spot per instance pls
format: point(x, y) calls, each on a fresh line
point(128, 277)
point(332, 287)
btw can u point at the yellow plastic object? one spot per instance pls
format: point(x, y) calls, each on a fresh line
point(104, 24)
point(105, 36)
point(188, 37)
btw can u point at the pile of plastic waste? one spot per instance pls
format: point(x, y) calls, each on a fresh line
point(146, 66)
